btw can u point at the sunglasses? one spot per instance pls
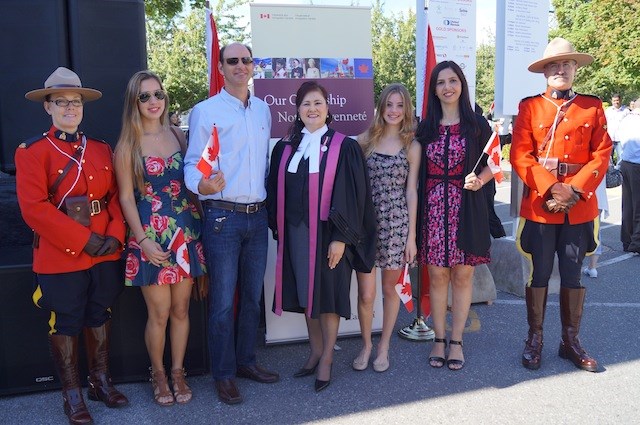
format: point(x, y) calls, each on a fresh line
point(234, 61)
point(145, 96)
point(63, 103)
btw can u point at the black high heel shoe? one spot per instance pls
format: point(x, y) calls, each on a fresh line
point(302, 372)
point(456, 363)
point(435, 361)
point(321, 385)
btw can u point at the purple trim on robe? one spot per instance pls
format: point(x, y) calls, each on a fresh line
point(325, 204)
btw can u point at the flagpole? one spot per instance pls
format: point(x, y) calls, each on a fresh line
point(418, 330)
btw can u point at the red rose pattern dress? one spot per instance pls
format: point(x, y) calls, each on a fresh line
point(164, 208)
point(443, 194)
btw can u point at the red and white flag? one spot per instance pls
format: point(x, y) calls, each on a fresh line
point(403, 288)
point(179, 246)
point(216, 80)
point(492, 149)
point(430, 63)
point(209, 154)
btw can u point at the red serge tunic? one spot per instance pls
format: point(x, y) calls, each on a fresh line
point(39, 161)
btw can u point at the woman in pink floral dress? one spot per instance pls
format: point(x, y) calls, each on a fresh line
point(164, 253)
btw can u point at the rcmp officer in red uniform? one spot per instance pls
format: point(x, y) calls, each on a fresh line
point(68, 195)
point(560, 150)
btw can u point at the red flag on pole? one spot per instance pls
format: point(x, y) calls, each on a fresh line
point(209, 154)
point(179, 246)
point(216, 80)
point(430, 63)
point(403, 288)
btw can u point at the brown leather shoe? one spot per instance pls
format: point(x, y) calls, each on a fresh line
point(228, 391)
point(258, 374)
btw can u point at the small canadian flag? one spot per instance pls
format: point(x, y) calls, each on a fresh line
point(403, 288)
point(492, 149)
point(210, 154)
point(179, 246)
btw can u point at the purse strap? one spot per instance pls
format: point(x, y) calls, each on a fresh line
point(193, 197)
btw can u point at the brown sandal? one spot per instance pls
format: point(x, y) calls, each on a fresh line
point(161, 392)
point(181, 390)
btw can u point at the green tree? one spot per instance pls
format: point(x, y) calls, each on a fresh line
point(608, 30)
point(167, 10)
point(485, 75)
point(394, 49)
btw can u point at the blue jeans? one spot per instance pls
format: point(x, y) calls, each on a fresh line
point(236, 250)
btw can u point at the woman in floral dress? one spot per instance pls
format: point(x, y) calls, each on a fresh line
point(393, 160)
point(164, 253)
point(453, 233)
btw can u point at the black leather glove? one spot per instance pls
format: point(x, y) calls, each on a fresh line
point(109, 246)
point(564, 195)
point(95, 243)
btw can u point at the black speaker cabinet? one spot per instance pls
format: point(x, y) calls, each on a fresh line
point(25, 360)
point(103, 41)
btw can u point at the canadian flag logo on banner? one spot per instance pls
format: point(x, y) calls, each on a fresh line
point(179, 246)
point(492, 149)
point(210, 154)
point(403, 288)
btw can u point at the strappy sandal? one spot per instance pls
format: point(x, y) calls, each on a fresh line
point(161, 392)
point(181, 390)
point(455, 362)
point(436, 361)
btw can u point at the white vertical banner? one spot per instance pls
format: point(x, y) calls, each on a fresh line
point(521, 37)
point(453, 25)
point(332, 45)
point(421, 52)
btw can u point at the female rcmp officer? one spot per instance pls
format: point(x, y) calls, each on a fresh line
point(68, 195)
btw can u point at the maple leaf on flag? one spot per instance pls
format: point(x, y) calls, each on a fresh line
point(403, 288)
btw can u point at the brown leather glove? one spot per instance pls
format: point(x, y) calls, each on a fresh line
point(109, 246)
point(564, 195)
point(95, 243)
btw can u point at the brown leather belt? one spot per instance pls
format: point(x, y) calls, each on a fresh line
point(234, 206)
point(568, 169)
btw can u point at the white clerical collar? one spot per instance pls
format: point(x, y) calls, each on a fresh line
point(309, 148)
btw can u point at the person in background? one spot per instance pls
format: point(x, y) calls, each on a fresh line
point(155, 202)
point(453, 234)
point(614, 114)
point(603, 212)
point(296, 69)
point(174, 119)
point(560, 150)
point(68, 195)
point(321, 214)
point(312, 69)
point(629, 135)
point(393, 160)
point(235, 225)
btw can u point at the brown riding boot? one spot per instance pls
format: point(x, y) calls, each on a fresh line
point(100, 386)
point(64, 350)
point(536, 306)
point(571, 305)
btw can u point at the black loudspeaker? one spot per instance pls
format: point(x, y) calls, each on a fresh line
point(103, 41)
point(25, 360)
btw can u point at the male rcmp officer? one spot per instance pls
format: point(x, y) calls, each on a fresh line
point(560, 150)
point(68, 195)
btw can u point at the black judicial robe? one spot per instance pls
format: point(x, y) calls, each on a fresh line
point(351, 220)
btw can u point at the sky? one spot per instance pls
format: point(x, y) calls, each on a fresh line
point(485, 9)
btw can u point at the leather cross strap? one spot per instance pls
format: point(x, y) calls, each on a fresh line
point(56, 184)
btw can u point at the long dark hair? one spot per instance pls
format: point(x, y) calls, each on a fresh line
point(427, 130)
point(305, 88)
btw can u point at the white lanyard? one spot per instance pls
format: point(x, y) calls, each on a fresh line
point(78, 162)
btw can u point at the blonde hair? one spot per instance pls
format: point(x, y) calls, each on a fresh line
point(129, 148)
point(372, 136)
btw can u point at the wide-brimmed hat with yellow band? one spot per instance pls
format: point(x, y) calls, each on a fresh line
point(557, 50)
point(63, 80)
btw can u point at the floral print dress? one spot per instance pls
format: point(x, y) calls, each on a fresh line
point(388, 177)
point(164, 209)
point(443, 195)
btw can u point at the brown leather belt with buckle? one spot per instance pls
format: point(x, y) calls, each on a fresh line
point(234, 206)
point(567, 169)
point(96, 206)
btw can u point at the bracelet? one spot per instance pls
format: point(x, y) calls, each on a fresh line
point(140, 241)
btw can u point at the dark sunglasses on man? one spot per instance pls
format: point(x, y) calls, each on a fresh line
point(234, 61)
point(145, 96)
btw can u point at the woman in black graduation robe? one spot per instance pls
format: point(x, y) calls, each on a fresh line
point(321, 213)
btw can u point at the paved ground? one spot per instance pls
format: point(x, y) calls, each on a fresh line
point(492, 388)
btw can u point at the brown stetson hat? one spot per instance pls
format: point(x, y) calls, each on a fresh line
point(560, 49)
point(63, 80)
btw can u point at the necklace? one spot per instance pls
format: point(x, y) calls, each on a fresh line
point(450, 122)
point(156, 136)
